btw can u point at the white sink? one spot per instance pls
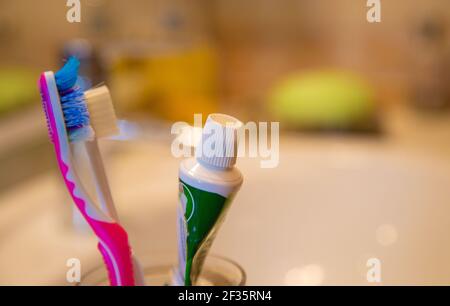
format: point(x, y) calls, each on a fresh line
point(330, 206)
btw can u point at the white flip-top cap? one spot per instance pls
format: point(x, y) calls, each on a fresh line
point(219, 144)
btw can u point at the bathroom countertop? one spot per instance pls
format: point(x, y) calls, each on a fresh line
point(333, 203)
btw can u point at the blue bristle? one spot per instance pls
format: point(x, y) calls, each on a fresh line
point(73, 104)
point(74, 107)
point(68, 75)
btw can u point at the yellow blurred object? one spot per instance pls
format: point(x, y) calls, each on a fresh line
point(172, 83)
point(17, 89)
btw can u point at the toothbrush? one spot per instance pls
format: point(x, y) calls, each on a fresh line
point(104, 123)
point(68, 121)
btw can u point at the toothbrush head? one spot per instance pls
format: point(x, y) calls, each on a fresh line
point(101, 110)
point(73, 102)
point(85, 114)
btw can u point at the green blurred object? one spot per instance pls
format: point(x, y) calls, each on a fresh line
point(17, 88)
point(324, 100)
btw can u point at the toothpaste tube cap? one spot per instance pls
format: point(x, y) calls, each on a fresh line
point(219, 144)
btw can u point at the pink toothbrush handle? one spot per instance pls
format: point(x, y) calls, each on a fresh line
point(117, 257)
point(113, 245)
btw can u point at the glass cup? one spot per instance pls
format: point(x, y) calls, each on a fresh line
point(217, 271)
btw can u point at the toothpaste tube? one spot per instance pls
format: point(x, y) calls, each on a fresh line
point(208, 184)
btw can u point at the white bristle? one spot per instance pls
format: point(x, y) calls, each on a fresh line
point(101, 112)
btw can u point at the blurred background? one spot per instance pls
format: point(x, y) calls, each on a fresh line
point(364, 110)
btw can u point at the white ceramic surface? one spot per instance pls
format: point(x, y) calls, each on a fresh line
point(331, 205)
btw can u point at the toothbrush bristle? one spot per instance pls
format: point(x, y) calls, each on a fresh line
point(74, 108)
point(66, 78)
point(73, 103)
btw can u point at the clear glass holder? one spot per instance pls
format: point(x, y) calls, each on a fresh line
point(217, 271)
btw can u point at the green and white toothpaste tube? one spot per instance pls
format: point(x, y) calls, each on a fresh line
point(207, 186)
